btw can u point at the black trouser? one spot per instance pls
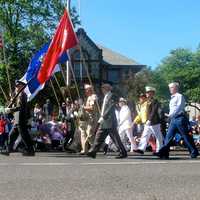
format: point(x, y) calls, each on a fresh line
point(100, 137)
point(3, 139)
point(26, 138)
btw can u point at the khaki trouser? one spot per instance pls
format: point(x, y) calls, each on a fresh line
point(87, 130)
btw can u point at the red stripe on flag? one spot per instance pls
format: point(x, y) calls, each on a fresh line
point(64, 38)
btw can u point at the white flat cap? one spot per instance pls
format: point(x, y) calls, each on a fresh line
point(149, 88)
point(121, 99)
point(173, 84)
point(87, 86)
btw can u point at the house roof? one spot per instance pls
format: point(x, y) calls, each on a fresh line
point(114, 58)
point(110, 57)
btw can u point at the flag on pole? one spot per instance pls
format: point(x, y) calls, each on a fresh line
point(1, 41)
point(64, 39)
point(31, 76)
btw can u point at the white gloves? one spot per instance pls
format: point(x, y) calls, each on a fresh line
point(148, 123)
point(7, 110)
point(100, 120)
point(166, 115)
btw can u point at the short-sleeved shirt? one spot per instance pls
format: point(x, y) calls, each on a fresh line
point(91, 101)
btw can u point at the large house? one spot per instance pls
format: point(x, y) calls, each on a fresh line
point(101, 63)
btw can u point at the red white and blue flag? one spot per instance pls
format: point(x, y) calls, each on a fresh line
point(46, 61)
point(64, 39)
point(31, 75)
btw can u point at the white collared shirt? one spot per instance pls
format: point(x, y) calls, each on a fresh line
point(176, 104)
point(125, 119)
point(104, 101)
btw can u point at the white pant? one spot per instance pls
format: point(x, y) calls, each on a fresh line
point(110, 144)
point(129, 134)
point(17, 141)
point(148, 131)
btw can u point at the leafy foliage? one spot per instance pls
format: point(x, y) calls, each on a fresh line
point(183, 66)
point(135, 83)
point(27, 25)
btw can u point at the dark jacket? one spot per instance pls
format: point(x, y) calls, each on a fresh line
point(21, 110)
point(109, 117)
point(153, 112)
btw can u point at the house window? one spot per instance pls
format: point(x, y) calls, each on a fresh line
point(79, 70)
point(113, 76)
point(79, 64)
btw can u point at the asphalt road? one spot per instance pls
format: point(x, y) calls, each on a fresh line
point(50, 176)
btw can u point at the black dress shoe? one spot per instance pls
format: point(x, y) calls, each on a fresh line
point(193, 156)
point(139, 151)
point(164, 157)
point(91, 154)
point(82, 153)
point(156, 154)
point(105, 149)
point(5, 153)
point(120, 156)
point(161, 155)
point(28, 153)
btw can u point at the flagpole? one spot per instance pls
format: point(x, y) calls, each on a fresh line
point(54, 91)
point(16, 95)
point(4, 94)
point(68, 90)
point(67, 63)
point(6, 64)
point(73, 74)
point(88, 74)
point(59, 86)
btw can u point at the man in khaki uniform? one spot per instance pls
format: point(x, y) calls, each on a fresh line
point(88, 126)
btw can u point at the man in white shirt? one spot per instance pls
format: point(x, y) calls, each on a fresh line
point(178, 123)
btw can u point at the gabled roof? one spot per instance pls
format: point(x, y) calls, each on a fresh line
point(81, 32)
point(114, 58)
point(110, 57)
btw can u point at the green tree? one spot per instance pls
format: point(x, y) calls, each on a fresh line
point(27, 25)
point(183, 66)
point(135, 83)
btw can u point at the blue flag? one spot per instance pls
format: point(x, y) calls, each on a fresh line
point(31, 76)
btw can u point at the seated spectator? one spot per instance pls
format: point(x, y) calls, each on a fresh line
point(3, 123)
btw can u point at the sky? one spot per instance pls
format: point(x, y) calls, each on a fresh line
point(143, 30)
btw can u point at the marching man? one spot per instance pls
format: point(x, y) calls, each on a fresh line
point(125, 124)
point(89, 124)
point(152, 124)
point(107, 124)
point(20, 126)
point(178, 123)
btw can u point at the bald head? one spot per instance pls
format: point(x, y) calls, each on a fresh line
point(106, 87)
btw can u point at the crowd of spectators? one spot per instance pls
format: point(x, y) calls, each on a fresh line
point(57, 130)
